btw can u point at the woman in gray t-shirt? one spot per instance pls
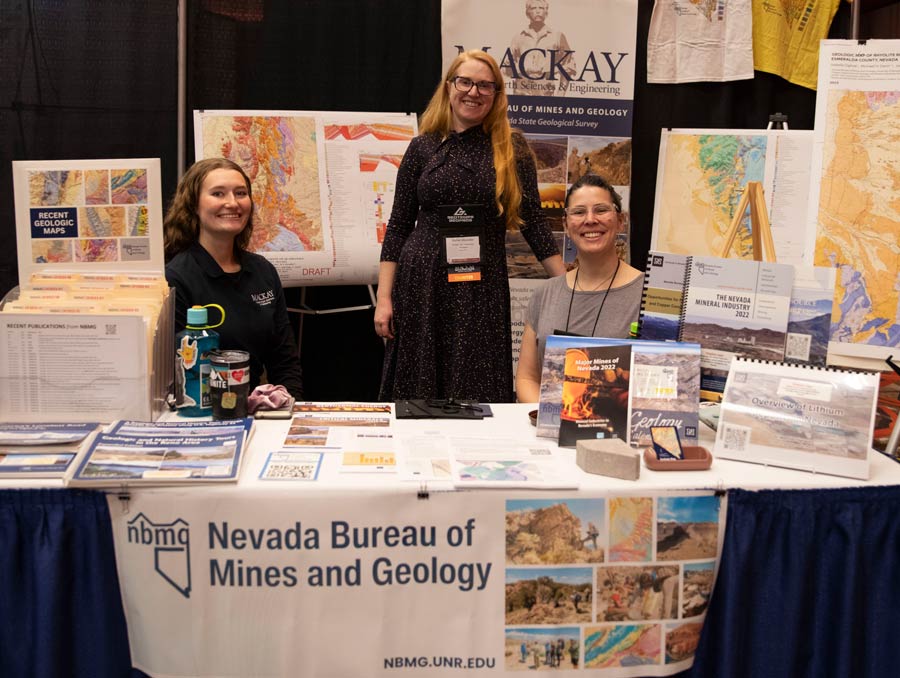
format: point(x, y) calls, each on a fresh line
point(601, 297)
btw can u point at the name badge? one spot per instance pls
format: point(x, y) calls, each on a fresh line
point(462, 231)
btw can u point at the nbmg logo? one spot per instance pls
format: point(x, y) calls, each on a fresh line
point(170, 546)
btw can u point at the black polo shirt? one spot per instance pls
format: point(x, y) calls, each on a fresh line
point(256, 318)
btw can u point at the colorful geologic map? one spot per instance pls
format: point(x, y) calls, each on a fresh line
point(630, 529)
point(859, 214)
point(702, 177)
point(280, 156)
point(86, 211)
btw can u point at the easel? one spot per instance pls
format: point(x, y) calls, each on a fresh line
point(761, 244)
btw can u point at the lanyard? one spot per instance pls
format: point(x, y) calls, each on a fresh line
point(600, 310)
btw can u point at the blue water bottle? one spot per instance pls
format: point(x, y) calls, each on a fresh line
point(192, 347)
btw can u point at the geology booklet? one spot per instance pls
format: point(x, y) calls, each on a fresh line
point(595, 394)
point(165, 453)
point(665, 390)
point(663, 296)
point(667, 394)
point(809, 322)
point(42, 450)
point(735, 307)
point(506, 463)
point(801, 417)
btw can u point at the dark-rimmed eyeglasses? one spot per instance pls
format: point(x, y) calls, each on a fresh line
point(599, 211)
point(485, 87)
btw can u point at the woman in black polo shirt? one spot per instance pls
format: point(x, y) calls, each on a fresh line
point(207, 229)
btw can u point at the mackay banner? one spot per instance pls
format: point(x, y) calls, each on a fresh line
point(568, 65)
point(230, 581)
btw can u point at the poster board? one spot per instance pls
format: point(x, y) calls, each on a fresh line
point(854, 217)
point(88, 215)
point(701, 175)
point(322, 183)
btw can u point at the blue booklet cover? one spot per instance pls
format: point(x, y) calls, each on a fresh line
point(165, 453)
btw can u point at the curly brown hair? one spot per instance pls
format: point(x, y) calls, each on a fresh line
point(181, 227)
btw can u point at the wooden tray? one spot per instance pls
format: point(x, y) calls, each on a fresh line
point(695, 459)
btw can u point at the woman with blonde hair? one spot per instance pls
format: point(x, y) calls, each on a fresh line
point(443, 292)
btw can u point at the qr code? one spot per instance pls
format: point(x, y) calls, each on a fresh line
point(111, 329)
point(797, 346)
point(290, 471)
point(735, 438)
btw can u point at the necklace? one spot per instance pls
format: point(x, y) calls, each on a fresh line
point(602, 302)
point(599, 285)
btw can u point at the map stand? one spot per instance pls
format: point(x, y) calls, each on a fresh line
point(762, 244)
point(778, 121)
point(306, 310)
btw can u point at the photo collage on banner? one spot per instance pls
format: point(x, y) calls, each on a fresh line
point(608, 583)
point(323, 185)
point(568, 68)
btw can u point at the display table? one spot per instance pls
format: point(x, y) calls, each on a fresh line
point(804, 587)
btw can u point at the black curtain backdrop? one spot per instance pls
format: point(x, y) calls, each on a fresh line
point(97, 79)
point(94, 79)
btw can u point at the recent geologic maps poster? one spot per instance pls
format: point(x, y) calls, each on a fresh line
point(853, 198)
point(322, 184)
point(93, 215)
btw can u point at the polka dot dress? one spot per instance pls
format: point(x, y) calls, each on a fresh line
point(453, 339)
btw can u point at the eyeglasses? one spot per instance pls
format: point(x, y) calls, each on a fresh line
point(485, 87)
point(580, 213)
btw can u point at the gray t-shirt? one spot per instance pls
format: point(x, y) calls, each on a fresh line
point(549, 307)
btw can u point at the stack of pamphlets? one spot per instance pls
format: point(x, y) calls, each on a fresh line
point(165, 453)
point(42, 450)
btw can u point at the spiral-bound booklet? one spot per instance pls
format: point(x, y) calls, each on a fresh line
point(797, 416)
point(728, 306)
point(734, 307)
point(664, 281)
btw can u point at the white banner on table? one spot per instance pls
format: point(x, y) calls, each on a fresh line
point(224, 583)
point(323, 185)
